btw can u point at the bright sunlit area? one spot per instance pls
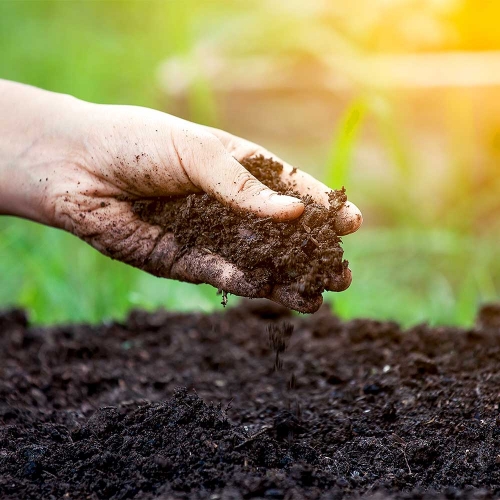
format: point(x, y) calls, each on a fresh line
point(397, 100)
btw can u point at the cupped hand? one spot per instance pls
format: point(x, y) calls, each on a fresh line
point(120, 154)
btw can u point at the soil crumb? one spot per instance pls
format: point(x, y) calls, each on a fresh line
point(305, 252)
point(382, 413)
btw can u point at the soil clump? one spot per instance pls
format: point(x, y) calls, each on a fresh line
point(305, 252)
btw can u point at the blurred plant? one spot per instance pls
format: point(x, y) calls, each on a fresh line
point(343, 144)
point(418, 258)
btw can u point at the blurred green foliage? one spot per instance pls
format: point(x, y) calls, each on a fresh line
point(412, 268)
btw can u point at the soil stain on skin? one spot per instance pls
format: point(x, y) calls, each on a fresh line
point(305, 252)
point(95, 411)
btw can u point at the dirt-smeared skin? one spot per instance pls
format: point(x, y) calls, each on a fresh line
point(93, 412)
point(304, 254)
point(109, 224)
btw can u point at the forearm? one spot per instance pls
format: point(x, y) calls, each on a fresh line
point(35, 140)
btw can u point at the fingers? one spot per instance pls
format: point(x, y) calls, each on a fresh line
point(348, 219)
point(199, 267)
point(288, 296)
point(169, 260)
point(339, 282)
point(304, 183)
point(211, 168)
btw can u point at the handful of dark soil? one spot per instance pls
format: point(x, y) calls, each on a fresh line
point(305, 251)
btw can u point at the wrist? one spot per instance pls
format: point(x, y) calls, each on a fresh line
point(38, 140)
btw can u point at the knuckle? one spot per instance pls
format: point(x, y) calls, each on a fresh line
point(195, 150)
point(163, 256)
point(245, 183)
point(129, 242)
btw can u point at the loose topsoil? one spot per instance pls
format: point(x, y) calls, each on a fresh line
point(305, 251)
point(272, 406)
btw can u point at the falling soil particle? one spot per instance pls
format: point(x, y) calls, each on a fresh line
point(95, 411)
point(279, 338)
point(305, 252)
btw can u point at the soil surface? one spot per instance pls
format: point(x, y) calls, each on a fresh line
point(305, 252)
point(274, 406)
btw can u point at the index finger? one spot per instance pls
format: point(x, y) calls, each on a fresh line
point(348, 219)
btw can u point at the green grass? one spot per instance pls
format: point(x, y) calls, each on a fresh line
point(417, 267)
point(419, 275)
point(346, 133)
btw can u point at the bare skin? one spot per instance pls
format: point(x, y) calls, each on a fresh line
point(79, 166)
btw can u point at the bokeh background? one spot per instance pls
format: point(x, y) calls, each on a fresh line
point(398, 100)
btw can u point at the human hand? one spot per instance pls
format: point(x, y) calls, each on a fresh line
point(93, 161)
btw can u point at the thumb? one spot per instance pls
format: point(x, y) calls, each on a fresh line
point(227, 180)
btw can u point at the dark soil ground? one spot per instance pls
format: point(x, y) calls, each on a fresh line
point(358, 408)
point(305, 252)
